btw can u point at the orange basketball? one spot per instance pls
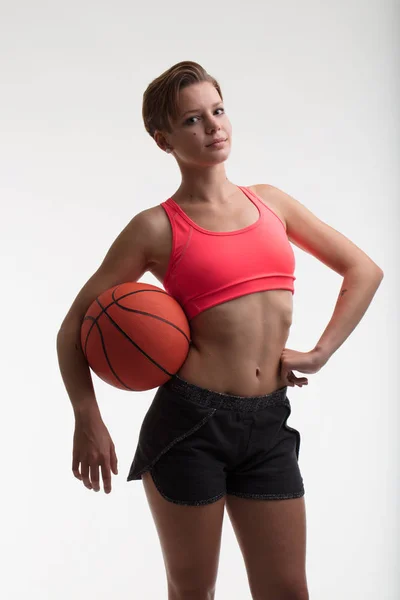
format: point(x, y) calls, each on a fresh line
point(135, 336)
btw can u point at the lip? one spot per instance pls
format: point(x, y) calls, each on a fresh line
point(219, 141)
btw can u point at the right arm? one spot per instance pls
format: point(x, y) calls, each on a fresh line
point(127, 260)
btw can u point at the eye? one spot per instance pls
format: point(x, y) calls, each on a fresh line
point(190, 122)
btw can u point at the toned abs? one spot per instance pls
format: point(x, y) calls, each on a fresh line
point(236, 346)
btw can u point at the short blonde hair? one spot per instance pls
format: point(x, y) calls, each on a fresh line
point(160, 100)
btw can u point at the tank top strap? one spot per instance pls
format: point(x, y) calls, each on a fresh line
point(261, 204)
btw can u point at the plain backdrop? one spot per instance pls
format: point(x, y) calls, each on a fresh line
point(312, 91)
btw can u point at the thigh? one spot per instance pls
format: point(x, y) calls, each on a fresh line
point(190, 538)
point(272, 538)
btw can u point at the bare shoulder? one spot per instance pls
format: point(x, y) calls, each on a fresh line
point(268, 195)
point(155, 216)
point(155, 221)
point(158, 230)
point(309, 233)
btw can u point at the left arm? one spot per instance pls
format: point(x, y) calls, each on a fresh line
point(360, 283)
point(361, 275)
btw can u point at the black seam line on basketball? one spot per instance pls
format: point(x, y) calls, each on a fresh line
point(94, 319)
point(127, 337)
point(109, 363)
point(88, 334)
point(104, 310)
point(140, 312)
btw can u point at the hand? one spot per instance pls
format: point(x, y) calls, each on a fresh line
point(93, 448)
point(305, 362)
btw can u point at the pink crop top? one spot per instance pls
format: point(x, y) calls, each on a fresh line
point(207, 268)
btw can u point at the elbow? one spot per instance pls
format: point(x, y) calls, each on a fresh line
point(62, 330)
point(70, 323)
point(367, 269)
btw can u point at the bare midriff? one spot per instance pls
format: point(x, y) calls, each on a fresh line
point(235, 346)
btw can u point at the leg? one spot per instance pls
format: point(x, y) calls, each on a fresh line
point(272, 539)
point(190, 538)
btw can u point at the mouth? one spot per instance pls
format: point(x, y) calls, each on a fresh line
point(217, 142)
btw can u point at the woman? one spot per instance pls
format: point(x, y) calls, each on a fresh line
point(216, 434)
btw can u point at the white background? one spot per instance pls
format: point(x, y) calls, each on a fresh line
point(312, 90)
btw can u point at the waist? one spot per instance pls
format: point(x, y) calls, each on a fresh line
point(236, 346)
point(213, 399)
point(232, 374)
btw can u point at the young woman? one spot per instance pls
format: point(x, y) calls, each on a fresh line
point(216, 434)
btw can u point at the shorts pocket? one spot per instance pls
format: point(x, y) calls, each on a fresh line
point(169, 419)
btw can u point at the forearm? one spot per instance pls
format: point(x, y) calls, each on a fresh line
point(75, 371)
point(358, 289)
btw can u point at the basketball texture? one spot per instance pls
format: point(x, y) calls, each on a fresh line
point(135, 336)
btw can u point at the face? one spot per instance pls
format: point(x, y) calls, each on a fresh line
point(201, 120)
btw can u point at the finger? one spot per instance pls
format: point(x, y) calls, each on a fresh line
point(85, 474)
point(94, 476)
point(289, 381)
point(292, 377)
point(113, 460)
point(299, 381)
point(106, 475)
point(75, 467)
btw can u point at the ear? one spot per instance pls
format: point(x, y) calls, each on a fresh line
point(161, 141)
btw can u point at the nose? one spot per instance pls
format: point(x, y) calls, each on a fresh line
point(212, 125)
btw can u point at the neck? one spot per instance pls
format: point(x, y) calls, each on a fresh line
point(206, 185)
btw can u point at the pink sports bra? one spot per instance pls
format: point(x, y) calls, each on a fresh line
point(207, 268)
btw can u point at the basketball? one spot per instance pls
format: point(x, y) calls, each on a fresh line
point(135, 336)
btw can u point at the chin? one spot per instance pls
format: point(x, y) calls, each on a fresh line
point(216, 156)
point(207, 158)
point(210, 163)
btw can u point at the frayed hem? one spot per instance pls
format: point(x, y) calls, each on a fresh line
point(268, 496)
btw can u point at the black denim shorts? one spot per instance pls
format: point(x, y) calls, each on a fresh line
point(200, 444)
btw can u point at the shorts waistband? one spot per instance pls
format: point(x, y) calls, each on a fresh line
point(210, 398)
